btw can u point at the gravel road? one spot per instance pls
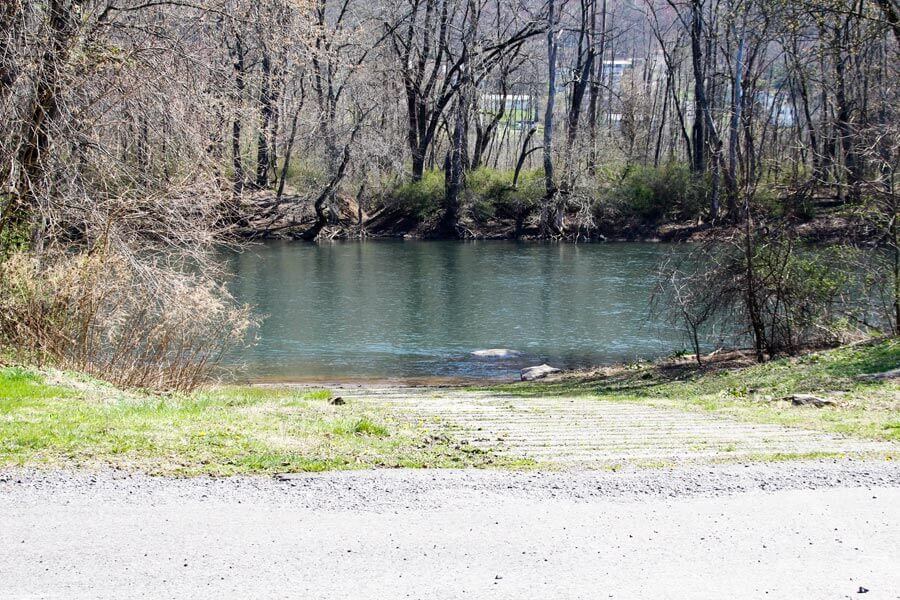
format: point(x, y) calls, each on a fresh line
point(787, 530)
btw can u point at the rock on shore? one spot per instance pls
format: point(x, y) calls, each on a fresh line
point(538, 372)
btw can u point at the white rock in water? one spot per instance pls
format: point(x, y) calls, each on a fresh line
point(496, 353)
point(538, 372)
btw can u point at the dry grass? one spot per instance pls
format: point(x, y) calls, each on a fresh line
point(100, 313)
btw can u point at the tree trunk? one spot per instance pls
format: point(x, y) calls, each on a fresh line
point(594, 90)
point(287, 153)
point(583, 72)
point(484, 135)
point(457, 157)
point(453, 171)
point(844, 125)
point(237, 163)
point(265, 113)
point(737, 103)
point(319, 205)
point(548, 227)
point(10, 17)
point(892, 16)
point(895, 242)
point(698, 133)
point(32, 154)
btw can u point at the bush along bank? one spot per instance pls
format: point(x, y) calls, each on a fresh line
point(633, 203)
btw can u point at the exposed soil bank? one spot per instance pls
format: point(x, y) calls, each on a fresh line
point(266, 219)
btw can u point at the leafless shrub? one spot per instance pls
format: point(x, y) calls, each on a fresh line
point(681, 297)
point(146, 327)
point(780, 295)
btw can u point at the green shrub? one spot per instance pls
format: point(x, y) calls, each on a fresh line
point(529, 191)
point(488, 183)
point(485, 188)
point(772, 202)
point(793, 296)
point(488, 194)
point(14, 237)
point(654, 194)
point(491, 194)
point(422, 199)
point(305, 175)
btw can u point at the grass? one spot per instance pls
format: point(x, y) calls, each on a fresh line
point(865, 409)
point(53, 419)
point(57, 420)
point(21, 385)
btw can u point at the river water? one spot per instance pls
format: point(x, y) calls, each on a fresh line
point(418, 309)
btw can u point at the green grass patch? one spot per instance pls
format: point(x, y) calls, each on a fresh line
point(360, 426)
point(19, 384)
point(866, 409)
point(318, 395)
point(222, 431)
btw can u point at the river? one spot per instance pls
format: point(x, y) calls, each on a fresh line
point(418, 309)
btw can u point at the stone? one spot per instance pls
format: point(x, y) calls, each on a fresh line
point(887, 375)
point(496, 353)
point(810, 400)
point(538, 372)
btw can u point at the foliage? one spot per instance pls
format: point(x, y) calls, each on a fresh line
point(783, 296)
point(654, 194)
point(488, 194)
point(784, 200)
point(305, 175)
point(491, 194)
point(423, 198)
point(12, 238)
point(485, 188)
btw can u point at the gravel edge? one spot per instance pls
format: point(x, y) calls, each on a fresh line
point(379, 490)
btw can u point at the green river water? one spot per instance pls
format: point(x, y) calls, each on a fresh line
point(418, 309)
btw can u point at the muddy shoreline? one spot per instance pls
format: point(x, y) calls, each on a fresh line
point(289, 220)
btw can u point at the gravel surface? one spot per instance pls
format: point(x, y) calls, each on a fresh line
point(819, 529)
point(380, 490)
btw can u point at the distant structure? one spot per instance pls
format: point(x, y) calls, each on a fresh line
point(613, 70)
point(520, 110)
point(779, 109)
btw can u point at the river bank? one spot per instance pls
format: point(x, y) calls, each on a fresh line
point(265, 217)
point(643, 416)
